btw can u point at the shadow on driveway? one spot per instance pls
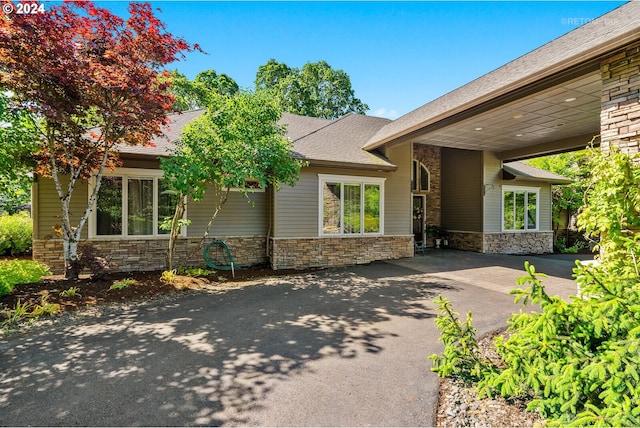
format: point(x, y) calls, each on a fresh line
point(209, 358)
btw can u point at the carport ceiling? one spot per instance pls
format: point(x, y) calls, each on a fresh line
point(568, 113)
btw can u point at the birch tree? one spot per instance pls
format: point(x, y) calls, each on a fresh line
point(75, 65)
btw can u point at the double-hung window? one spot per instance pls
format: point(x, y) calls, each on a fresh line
point(132, 203)
point(520, 208)
point(350, 205)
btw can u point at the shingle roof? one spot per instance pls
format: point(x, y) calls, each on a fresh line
point(321, 141)
point(524, 171)
point(299, 126)
point(337, 142)
point(163, 145)
point(592, 40)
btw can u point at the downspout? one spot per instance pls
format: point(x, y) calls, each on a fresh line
point(270, 222)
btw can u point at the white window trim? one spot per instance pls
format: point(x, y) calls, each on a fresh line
point(126, 173)
point(349, 179)
point(535, 190)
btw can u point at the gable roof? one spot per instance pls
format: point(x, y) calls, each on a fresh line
point(523, 171)
point(577, 48)
point(336, 143)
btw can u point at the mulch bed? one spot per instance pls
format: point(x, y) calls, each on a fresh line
point(91, 292)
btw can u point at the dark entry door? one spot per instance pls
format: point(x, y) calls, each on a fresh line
point(419, 202)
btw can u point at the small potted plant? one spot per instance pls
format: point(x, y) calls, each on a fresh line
point(435, 232)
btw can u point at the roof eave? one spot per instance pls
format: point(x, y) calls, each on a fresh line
point(591, 54)
point(350, 165)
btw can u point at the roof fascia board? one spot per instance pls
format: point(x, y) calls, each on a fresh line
point(356, 166)
point(516, 175)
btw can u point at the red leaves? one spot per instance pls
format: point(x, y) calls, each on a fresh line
point(79, 64)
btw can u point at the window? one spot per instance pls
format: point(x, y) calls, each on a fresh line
point(420, 177)
point(132, 202)
point(350, 205)
point(520, 208)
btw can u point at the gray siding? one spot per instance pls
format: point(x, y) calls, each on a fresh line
point(296, 208)
point(493, 193)
point(397, 209)
point(236, 218)
point(493, 196)
point(462, 177)
point(49, 209)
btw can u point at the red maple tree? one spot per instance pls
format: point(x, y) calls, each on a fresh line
point(80, 67)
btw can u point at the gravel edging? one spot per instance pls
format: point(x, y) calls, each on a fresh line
point(459, 405)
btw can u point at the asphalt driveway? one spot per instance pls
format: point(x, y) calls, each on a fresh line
point(342, 347)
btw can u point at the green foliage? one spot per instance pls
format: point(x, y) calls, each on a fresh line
point(15, 233)
point(17, 144)
point(124, 283)
point(460, 357)
point(169, 276)
point(44, 307)
point(195, 271)
point(14, 272)
point(18, 312)
point(238, 139)
point(70, 292)
point(21, 311)
point(577, 361)
point(567, 199)
point(561, 245)
point(316, 90)
point(194, 94)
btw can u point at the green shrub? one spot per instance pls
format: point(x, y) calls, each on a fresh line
point(577, 362)
point(15, 233)
point(13, 272)
point(195, 271)
point(124, 283)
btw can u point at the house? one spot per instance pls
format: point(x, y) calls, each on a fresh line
point(373, 185)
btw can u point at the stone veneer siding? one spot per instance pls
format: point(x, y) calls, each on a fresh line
point(430, 156)
point(150, 254)
point(467, 241)
point(620, 113)
point(518, 243)
point(302, 253)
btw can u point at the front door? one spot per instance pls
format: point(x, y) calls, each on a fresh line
point(419, 202)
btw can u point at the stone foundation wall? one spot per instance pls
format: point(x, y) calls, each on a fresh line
point(518, 243)
point(467, 241)
point(150, 254)
point(301, 253)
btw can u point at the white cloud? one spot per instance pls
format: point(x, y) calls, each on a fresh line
point(389, 114)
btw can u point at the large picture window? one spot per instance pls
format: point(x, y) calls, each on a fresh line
point(350, 205)
point(132, 203)
point(520, 208)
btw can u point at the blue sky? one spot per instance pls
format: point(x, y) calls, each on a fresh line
point(399, 55)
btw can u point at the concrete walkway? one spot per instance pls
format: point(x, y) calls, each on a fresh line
point(342, 347)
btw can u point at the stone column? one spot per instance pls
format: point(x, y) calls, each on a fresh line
point(620, 113)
